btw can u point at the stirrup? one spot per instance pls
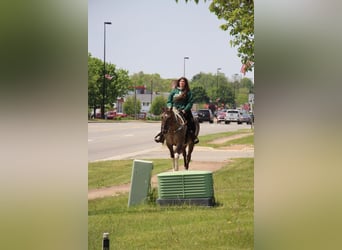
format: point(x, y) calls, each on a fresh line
point(196, 140)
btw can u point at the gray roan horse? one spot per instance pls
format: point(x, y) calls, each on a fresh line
point(174, 129)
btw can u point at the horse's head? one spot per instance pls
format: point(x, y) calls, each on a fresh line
point(167, 117)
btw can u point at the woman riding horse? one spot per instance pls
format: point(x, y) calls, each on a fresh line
point(181, 98)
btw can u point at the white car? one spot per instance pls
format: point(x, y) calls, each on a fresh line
point(233, 115)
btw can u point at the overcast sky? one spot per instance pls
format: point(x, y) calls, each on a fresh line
point(154, 36)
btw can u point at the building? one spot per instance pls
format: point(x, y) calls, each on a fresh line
point(144, 96)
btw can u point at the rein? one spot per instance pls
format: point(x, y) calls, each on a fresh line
point(178, 117)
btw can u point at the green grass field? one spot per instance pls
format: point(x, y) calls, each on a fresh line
point(228, 225)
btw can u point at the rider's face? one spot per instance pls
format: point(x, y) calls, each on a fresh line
point(181, 83)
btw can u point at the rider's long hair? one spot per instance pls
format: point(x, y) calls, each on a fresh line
point(186, 88)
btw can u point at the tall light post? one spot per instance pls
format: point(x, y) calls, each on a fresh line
point(104, 71)
point(217, 89)
point(151, 95)
point(186, 57)
point(217, 72)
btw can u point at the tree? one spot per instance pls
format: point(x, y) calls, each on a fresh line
point(157, 105)
point(116, 86)
point(247, 83)
point(226, 95)
point(239, 17)
point(153, 82)
point(200, 95)
point(132, 106)
point(94, 82)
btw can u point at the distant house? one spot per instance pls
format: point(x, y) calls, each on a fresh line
point(144, 96)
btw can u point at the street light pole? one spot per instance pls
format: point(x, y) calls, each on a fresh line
point(104, 71)
point(186, 57)
point(217, 71)
point(151, 95)
point(217, 90)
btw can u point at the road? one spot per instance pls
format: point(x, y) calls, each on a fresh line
point(135, 140)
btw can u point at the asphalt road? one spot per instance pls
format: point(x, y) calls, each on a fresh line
point(135, 140)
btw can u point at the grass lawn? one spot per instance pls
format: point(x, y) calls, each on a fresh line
point(228, 225)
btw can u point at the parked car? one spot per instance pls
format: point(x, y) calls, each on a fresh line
point(205, 115)
point(244, 117)
point(233, 115)
point(110, 114)
point(221, 116)
point(120, 115)
point(194, 114)
point(98, 114)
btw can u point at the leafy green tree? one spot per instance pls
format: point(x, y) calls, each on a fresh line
point(200, 95)
point(242, 96)
point(247, 83)
point(117, 86)
point(157, 105)
point(94, 82)
point(205, 81)
point(153, 82)
point(132, 106)
point(239, 17)
point(226, 96)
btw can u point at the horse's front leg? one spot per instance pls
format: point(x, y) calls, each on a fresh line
point(175, 162)
point(178, 151)
point(172, 155)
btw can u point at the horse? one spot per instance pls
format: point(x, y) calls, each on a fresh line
point(174, 128)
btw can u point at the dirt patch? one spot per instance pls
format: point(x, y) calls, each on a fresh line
point(125, 188)
point(229, 138)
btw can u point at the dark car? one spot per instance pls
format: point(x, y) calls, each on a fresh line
point(205, 115)
point(245, 118)
point(194, 114)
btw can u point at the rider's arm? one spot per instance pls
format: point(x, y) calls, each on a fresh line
point(190, 102)
point(170, 99)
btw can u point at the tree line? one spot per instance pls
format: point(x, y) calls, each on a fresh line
point(207, 88)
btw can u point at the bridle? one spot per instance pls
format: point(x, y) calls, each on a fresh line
point(172, 115)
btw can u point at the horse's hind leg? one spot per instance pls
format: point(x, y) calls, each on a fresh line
point(186, 163)
point(188, 155)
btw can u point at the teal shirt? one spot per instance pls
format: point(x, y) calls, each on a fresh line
point(183, 104)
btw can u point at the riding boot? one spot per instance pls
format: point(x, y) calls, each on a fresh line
point(194, 138)
point(159, 138)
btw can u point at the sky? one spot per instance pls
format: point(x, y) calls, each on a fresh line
point(154, 36)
